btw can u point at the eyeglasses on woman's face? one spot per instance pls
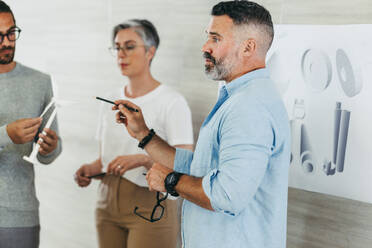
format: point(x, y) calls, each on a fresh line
point(127, 49)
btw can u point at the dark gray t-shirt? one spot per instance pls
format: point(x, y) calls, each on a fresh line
point(24, 93)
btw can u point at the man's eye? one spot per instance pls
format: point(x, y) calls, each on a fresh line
point(215, 39)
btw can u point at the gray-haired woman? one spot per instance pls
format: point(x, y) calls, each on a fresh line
point(128, 214)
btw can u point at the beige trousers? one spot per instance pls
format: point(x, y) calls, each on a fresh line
point(119, 227)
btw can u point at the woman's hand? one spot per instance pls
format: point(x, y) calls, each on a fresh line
point(121, 164)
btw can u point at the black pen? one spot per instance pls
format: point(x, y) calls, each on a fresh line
point(128, 107)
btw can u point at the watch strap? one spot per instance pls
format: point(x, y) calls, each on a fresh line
point(146, 139)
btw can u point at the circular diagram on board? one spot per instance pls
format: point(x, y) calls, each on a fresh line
point(350, 79)
point(316, 69)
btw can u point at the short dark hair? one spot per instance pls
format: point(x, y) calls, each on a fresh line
point(246, 12)
point(144, 28)
point(4, 8)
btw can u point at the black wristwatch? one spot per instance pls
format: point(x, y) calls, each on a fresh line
point(171, 181)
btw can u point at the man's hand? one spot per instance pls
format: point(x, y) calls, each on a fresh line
point(188, 187)
point(48, 142)
point(24, 130)
point(134, 121)
point(81, 175)
point(155, 177)
point(121, 164)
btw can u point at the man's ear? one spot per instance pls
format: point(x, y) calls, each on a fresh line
point(249, 47)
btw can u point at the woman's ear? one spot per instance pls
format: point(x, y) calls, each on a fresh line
point(150, 53)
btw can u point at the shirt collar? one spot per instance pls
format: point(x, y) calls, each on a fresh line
point(241, 81)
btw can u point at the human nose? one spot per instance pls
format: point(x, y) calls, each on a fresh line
point(122, 52)
point(4, 40)
point(206, 48)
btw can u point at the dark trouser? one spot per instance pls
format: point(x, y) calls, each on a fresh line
point(20, 237)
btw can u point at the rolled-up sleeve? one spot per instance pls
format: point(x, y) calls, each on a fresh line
point(182, 160)
point(4, 137)
point(246, 143)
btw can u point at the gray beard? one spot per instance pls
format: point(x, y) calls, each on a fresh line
point(219, 71)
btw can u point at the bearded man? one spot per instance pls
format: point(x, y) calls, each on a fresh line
point(24, 93)
point(235, 183)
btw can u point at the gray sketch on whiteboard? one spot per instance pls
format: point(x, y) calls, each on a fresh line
point(302, 153)
point(316, 69)
point(349, 74)
point(340, 135)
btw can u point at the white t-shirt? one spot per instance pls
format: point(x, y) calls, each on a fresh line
point(164, 110)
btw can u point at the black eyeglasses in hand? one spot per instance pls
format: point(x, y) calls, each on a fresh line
point(157, 211)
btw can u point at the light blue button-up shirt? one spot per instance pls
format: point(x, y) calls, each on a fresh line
point(242, 154)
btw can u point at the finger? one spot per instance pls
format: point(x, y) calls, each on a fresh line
point(50, 133)
point(111, 169)
point(30, 137)
point(84, 179)
point(46, 139)
point(30, 130)
point(117, 170)
point(45, 146)
point(120, 117)
point(81, 175)
point(122, 171)
point(115, 107)
point(150, 185)
point(84, 183)
point(128, 114)
point(79, 172)
point(81, 178)
point(31, 122)
point(111, 166)
point(43, 151)
point(149, 180)
point(128, 103)
point(117, 117)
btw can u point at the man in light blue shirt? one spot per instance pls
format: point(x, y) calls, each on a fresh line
point(235, 183)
